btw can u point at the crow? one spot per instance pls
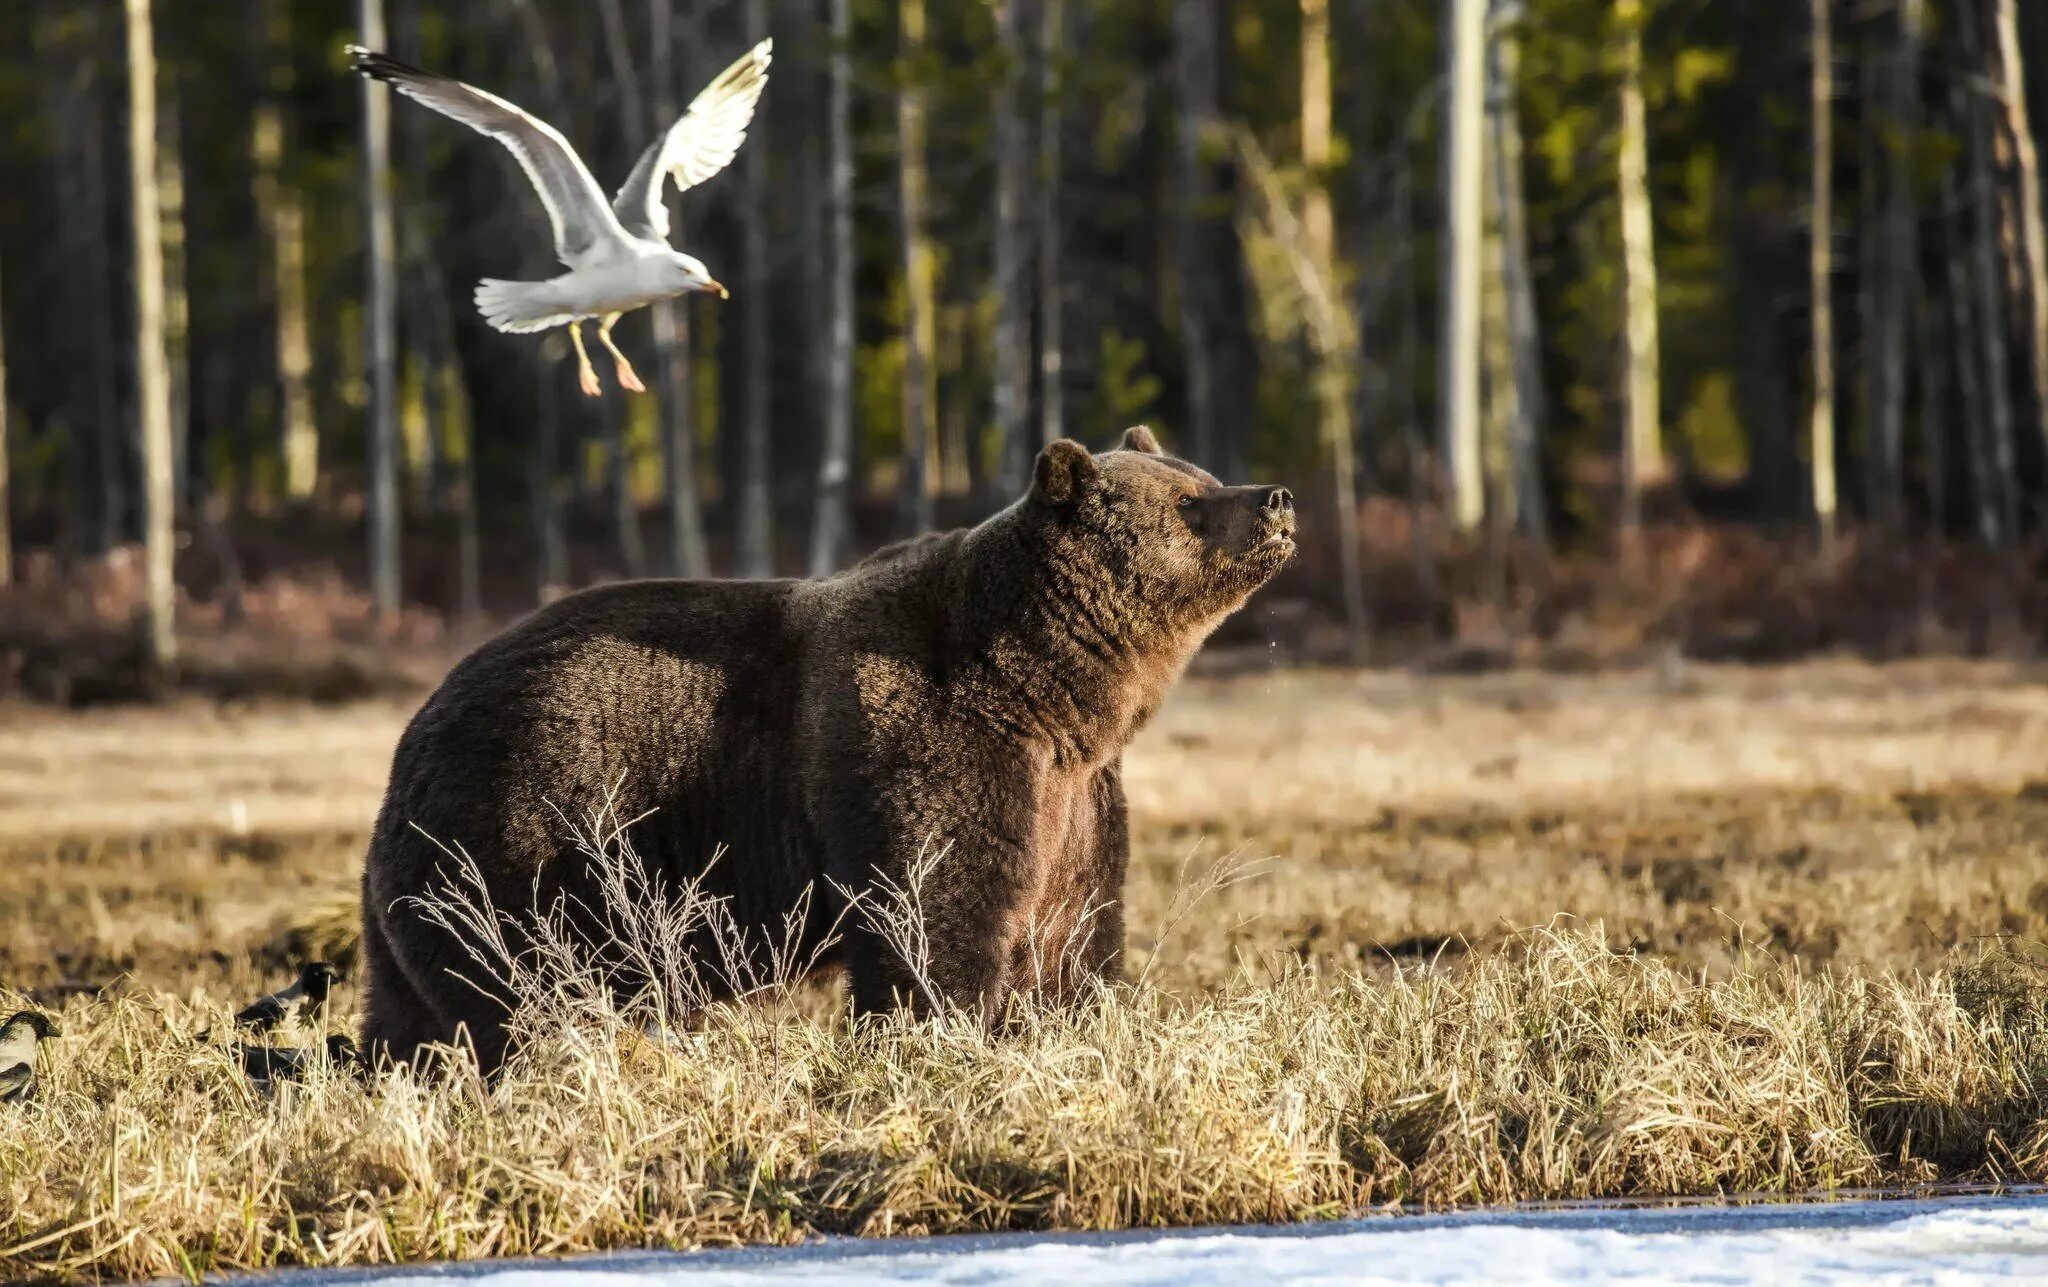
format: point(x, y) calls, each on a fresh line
point(267, 1065)
point(306, 997)
point(19, 1037)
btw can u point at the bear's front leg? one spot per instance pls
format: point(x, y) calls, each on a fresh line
point(955, 870)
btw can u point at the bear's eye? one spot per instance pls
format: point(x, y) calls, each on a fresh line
point(1185, 502)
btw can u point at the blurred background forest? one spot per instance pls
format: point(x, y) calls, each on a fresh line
point(1580, 327)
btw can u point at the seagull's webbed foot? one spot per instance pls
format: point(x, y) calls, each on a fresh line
point(628, 377)
point(586, 374)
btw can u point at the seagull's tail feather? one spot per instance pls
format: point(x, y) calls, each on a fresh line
point(521, 308)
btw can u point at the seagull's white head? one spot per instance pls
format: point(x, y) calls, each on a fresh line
point(690, 274)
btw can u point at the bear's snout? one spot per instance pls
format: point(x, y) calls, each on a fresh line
point(1276, 515)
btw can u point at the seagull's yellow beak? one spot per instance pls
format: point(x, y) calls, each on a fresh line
point(723, 293)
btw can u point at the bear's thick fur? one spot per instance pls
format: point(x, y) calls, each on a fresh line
point(971, 691)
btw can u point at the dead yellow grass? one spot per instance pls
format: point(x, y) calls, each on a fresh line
point(1561, 1071)
point(1518, 937)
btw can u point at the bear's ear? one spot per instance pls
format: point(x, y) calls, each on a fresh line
point(1064, 471)
point(1139, 438)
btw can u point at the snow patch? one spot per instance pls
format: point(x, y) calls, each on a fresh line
point(1974, 1240)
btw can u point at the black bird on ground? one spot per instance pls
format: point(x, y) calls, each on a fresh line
point(306, 997)
point(267, 1065)
point(19, 1037)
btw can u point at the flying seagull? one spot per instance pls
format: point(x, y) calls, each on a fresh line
point(618, 254)
point(308, 993)
point(19, 1037)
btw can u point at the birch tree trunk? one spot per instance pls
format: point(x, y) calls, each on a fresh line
point(152, 367)
point(688, 556)
point(835, 465)
point(1821, 430)
point(1518, 278)
point(919, 467)
point(1052, 390)
point(380, 342)
point(1333, 380)
point(282, 214)
point(2027, 176)
point(1012, 286)
point(1642, 448)
point(1463, 232)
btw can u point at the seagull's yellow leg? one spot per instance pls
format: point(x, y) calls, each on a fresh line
point(584, 371)
point(628, 377)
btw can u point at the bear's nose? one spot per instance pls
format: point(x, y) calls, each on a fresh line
point(1278, 501)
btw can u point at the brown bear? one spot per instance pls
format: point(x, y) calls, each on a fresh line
point(972, 690)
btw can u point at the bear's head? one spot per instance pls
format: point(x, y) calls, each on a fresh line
point(1154, 543)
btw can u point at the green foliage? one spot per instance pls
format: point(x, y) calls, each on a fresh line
point(1125, 390)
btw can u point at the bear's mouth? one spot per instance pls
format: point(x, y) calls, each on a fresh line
point(1279, 537)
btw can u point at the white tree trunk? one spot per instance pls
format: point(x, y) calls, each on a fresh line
point(152, 367)
point(279, 209)
point(1643, 452)
point(1821, 431)
point(1518, 277)
point(1463, 233)
point(1334, 348)
point(380, 346)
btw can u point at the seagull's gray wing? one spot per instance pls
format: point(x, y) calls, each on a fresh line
point(702, 142)
point(575, 204)
point(16, 1081)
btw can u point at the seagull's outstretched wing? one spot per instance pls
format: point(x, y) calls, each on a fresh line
point(576, 205)
point(699, 145)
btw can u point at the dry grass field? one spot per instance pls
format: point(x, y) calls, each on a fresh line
point(1516, 936)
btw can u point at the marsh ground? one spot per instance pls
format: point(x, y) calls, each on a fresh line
point(1680, 930)
point(1880, 816)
